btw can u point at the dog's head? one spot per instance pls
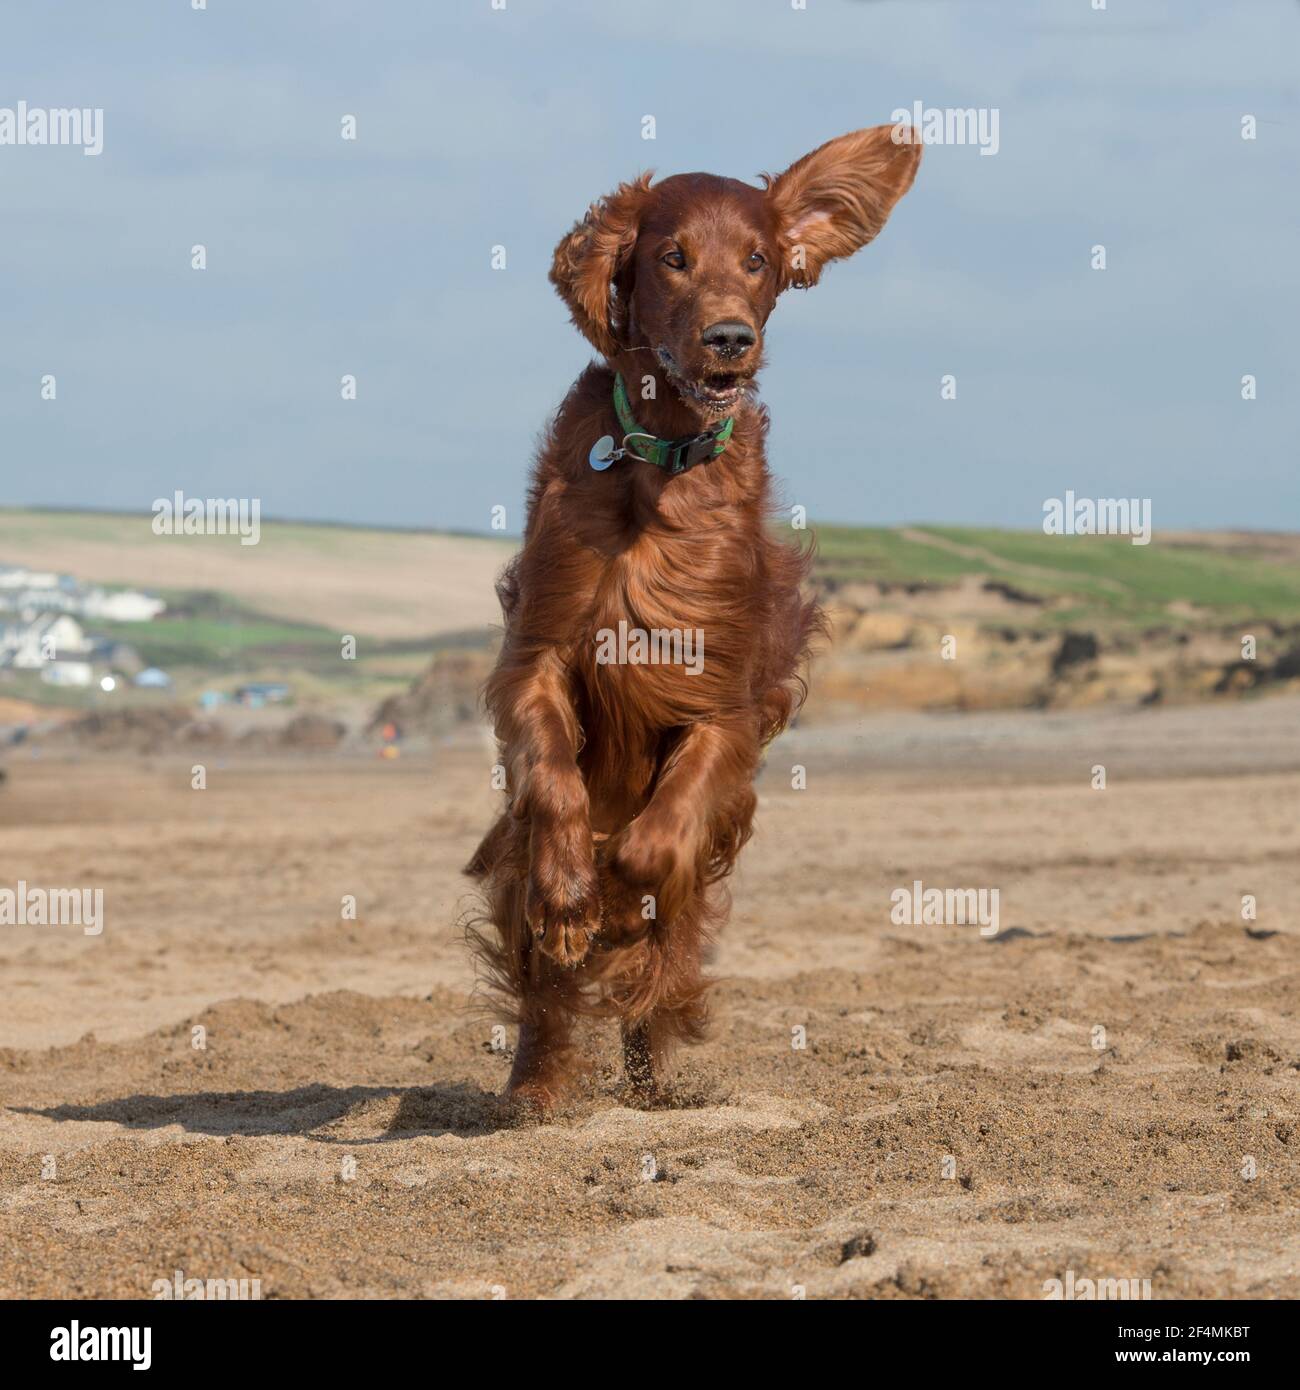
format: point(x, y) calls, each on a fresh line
point(689, 269)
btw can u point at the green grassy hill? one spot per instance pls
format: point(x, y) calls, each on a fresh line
point(1090, 580)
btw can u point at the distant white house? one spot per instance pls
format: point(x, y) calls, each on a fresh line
point(20, 577)
point(27, 646)
point(67, 672)
point(121, 606)
point(29, 592)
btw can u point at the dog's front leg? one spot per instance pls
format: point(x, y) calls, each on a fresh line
point(687, 836)
point(697, 819)
point(539, 732)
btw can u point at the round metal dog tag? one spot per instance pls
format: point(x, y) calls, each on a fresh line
point(602, 453)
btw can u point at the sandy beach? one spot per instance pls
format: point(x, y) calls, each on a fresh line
point(236, 1081)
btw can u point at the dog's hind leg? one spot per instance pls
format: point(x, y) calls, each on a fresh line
point(647, 1046)
point(674, 988)
point(640, 1065)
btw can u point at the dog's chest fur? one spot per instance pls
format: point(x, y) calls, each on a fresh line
point(667, 630)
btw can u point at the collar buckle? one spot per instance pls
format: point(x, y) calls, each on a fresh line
point(682, 454)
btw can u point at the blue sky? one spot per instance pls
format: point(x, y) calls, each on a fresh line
point(479, 127)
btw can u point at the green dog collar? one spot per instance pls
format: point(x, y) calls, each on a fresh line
point(672, 455)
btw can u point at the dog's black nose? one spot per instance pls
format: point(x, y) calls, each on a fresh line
point(730, 338)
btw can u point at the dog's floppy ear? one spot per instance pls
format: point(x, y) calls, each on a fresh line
point(833, 201)
point(589, 260)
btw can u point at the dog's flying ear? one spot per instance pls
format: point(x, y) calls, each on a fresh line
point(833, 201)
point(588, 262)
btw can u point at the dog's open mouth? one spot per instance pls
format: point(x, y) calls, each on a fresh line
point(720, 389)
point(717, 391)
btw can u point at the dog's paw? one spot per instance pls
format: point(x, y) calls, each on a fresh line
point(564, 930)
point(531, 1103)
point(646, 874)
point(627, 909)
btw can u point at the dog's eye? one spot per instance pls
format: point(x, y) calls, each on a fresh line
point(674, 259)
point(756, 261)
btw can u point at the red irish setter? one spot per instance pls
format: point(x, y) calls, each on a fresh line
point(655, 630)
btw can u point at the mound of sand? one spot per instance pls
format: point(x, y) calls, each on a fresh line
point(305, 733)
point(446, 695)
point(312, 731)
point(142, 729)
